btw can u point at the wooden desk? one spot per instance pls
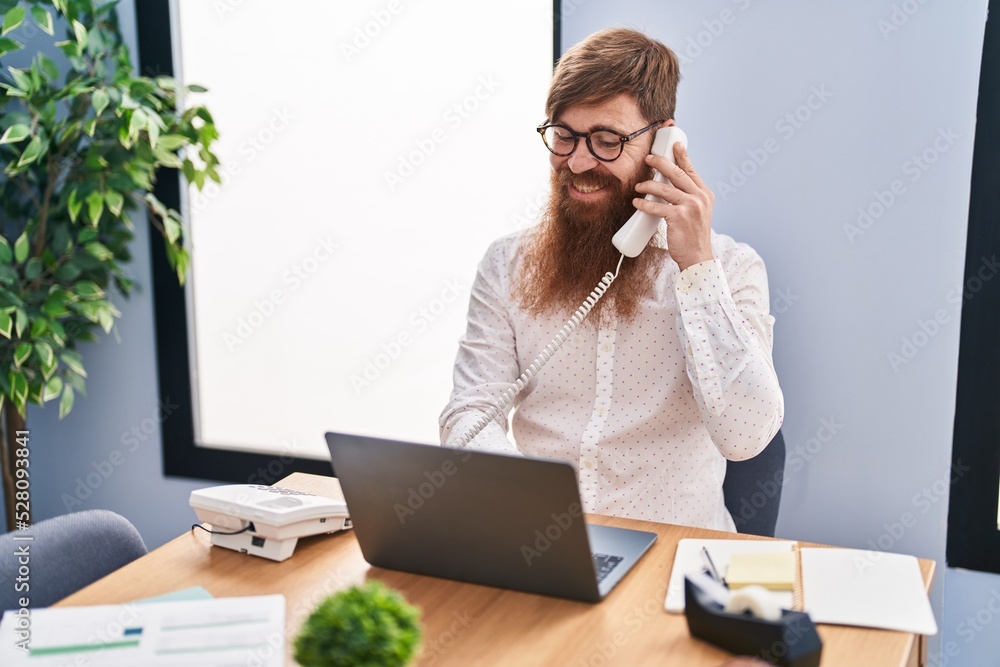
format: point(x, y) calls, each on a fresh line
point(466, 624)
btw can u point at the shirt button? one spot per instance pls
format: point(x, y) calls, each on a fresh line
point(600, 410)
point(606, 347)
point(684, 285)
point(588, 464)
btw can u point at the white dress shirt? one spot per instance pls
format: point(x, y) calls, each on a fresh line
point(647, 411)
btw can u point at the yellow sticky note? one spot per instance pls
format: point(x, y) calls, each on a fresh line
point(775, 571)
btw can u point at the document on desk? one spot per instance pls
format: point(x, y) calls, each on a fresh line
point(865, 588)
point(209, 633)
point(689, 559)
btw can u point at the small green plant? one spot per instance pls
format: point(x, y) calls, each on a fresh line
point(363, 625)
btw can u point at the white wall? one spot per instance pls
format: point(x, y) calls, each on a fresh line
point(869, 444)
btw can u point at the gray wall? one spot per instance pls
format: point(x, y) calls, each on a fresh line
point(838, 104)
point(800, 114)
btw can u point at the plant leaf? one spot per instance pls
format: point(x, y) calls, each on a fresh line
point(43, 19)
point(16, 132)
point(73, 205)
point(44, 352)
point(33, 268)
point(114, 201)
point(73, 362)
point(22, 352)
point(95, 206)
point(106, 318)
point(31, 152)
point(12, 19)
point(20, 321)
point(136, 122)
point(80, 31)
point(21, 248)
point(21, 80)
point(99, 251)
point(6, 325)
point(5, 252)
point(7, 45)
point(172, 141)
point(100, 100)
point(48, 66)
point(19, 390)
point(52, 389)
point(173, 229)
point(66, 401)
point(88, 289)
point(58, 333)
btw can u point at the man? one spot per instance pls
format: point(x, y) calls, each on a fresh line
point(671, 374)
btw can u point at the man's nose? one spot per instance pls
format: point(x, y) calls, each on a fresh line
point(581, 159)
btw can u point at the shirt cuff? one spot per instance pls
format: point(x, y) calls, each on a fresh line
point(701, 283)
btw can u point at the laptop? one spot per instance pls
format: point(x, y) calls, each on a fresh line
point(480, 517)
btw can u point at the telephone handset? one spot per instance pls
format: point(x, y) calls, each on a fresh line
point(636, 233)
point(630, 241)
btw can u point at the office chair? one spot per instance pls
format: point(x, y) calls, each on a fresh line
point(752, 489)
point(65, 554)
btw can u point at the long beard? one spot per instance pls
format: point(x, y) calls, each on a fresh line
point(571, 250)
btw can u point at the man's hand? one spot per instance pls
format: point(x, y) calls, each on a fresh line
point(689, 220)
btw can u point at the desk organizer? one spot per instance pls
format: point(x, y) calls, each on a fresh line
point(791, 641)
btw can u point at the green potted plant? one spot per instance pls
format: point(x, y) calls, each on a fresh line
point(82, 140)
point(363, 625)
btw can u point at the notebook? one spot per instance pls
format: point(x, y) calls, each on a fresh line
point(834, 586)
point(486, 518)
point(866, 588)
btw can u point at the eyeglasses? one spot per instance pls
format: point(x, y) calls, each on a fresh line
point(605, 145)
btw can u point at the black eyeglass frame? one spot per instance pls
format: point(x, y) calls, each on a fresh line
point(622, 139)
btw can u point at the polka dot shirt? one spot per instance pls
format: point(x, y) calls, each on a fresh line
point(647, 411)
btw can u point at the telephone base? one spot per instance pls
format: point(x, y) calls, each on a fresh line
point(256, 545)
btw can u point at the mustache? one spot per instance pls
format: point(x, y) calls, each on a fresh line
point(591, 178)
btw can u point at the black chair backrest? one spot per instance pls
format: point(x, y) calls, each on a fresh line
point(752, 489)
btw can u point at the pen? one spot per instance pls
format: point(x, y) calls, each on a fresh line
point(711, 566)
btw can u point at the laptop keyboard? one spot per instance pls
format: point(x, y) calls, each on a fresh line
point(604, 563)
